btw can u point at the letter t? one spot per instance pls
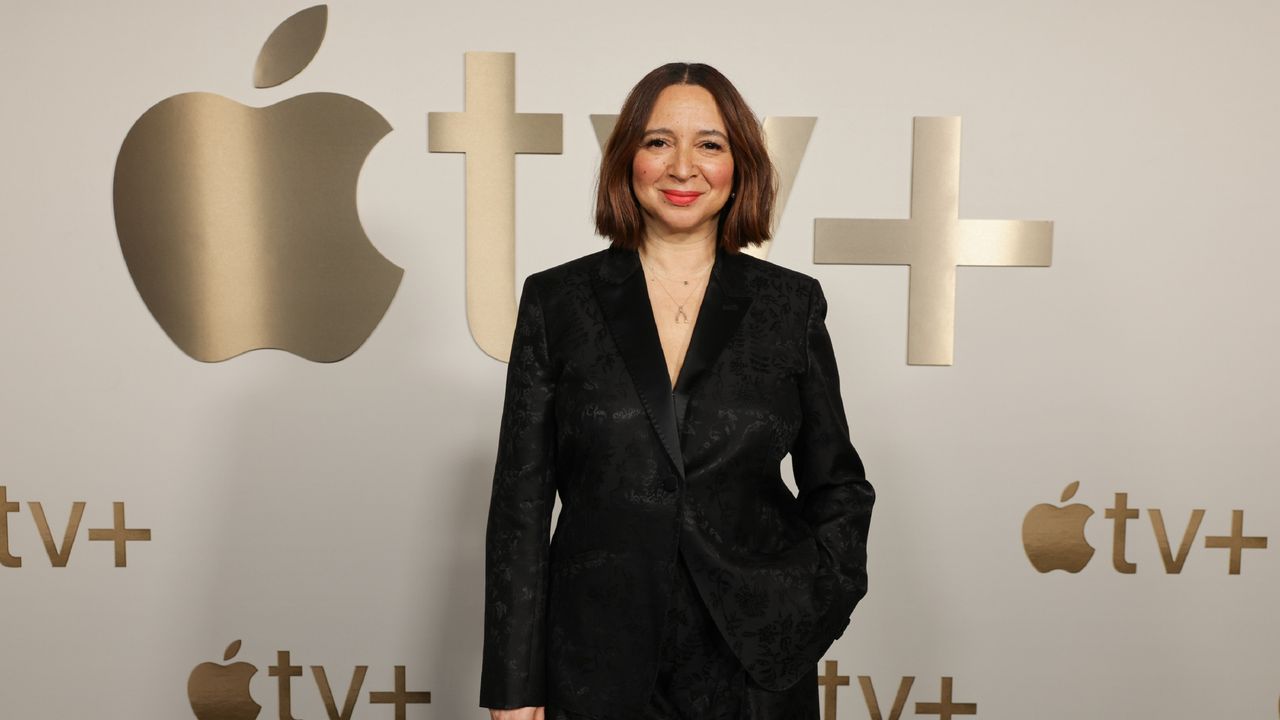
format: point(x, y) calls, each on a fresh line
point(1122, 515)
point(6, 507)
point(285, 671)
point(491, 133)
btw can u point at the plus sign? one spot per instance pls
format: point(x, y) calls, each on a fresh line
point(1236, 541)
point(831, 682)
point(933, 241)
point(491, 133)
point(399, 697)
point(945, 709)
point(120, 534)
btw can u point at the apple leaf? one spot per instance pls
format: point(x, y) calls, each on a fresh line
point(291, 46)
point(1069, 491)
point(232, 649)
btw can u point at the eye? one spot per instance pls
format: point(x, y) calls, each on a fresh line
point(712, 145)
point(655, 142)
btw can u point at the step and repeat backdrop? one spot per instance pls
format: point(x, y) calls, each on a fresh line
point(258, 272)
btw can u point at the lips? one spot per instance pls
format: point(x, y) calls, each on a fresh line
point(681, 197)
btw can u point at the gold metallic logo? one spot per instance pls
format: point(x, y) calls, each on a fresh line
point(119, 534)
point(491, 133)
point(221, 691)
point(945, 707)
point(933, 242)
point(239, 225)
point(1053, 537)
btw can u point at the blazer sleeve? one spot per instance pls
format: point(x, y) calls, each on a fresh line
point(834, 494)
point(516, 536)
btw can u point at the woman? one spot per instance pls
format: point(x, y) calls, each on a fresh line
point(657, 386)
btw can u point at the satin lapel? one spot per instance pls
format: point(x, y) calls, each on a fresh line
point(723, 306)
point(621, 291)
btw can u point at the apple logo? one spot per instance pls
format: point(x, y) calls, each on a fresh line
point(221, 692)
point(239, 225)
point(1053, 537)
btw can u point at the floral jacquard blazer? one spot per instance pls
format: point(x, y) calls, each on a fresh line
point(643, 469)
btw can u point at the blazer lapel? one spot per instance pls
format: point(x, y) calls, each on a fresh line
point(624, 299)
point(723, 306)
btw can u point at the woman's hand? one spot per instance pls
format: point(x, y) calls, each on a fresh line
point(524, 713)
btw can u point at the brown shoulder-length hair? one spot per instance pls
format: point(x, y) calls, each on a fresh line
point(745, 218)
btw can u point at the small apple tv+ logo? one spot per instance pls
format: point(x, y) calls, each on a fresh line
point(221, 691)
point(239, 225)
point(1053, 536)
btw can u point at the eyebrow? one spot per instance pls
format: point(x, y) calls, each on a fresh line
point(700, 133)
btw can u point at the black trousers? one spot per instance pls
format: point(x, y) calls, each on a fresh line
point(699, 678)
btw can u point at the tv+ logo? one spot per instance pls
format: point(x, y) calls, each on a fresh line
point(221, 692)
point(945, 708)
point(1053, 536)
point(119, 534)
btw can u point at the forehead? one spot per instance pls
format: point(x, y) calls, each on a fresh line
point(690, 106)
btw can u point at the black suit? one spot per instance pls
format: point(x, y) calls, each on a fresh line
point(642, 470)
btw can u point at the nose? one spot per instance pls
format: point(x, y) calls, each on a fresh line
point(682, 166)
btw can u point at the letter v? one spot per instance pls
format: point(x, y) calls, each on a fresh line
point(1173, 565)
point(899, 703)
point(58, 557)
point(353, 691)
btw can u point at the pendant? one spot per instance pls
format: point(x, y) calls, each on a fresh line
point(681, 318)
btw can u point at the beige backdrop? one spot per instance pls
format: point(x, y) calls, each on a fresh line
point(335, 512)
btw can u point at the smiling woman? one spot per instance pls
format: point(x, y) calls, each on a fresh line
point(683, 173)
point(656, 387)
point(719, 134)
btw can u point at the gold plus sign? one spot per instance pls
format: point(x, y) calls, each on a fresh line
point(491, 133)
point(830, 682)
point(399, 697)
point(120, 534)
point(933, 241)
point(945, 708)
point(1236, 541)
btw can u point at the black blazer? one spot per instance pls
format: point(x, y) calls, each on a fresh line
point(642, 469)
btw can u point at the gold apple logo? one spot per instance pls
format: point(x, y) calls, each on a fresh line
point(239, 224)
point(221, 692)
point(1053, 537)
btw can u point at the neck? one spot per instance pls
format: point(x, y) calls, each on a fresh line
point(678, 255)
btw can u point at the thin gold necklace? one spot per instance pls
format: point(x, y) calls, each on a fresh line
point(681, 318)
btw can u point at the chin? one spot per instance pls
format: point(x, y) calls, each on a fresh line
point(682, 225)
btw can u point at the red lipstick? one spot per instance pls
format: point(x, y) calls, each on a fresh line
point(681, 197)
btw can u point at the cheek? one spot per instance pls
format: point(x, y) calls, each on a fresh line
point(643, 170)
point(720, 174)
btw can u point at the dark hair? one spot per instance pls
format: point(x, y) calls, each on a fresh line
point(745, 218)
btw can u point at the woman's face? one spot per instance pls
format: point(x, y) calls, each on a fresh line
point(683, 170)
